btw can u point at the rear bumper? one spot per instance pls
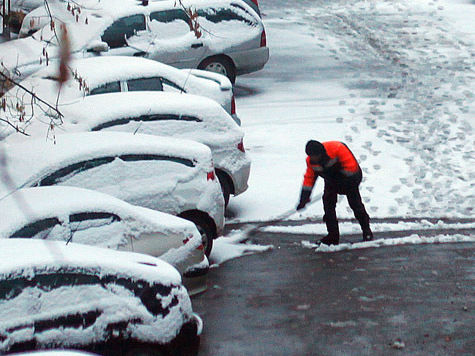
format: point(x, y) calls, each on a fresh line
point(241, 177)
point(250, 60)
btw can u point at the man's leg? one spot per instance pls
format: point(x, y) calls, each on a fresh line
point(329, 206)
point(356, 204)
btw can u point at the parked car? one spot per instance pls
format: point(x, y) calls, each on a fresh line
point(88, 217)
point(164, 114)
point(254, 4)
point(97, 75)
point(55, 295)
point(232, 40)
point(162, 173)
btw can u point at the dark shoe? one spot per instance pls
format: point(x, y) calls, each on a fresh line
point(367, 234)
point(329, 240)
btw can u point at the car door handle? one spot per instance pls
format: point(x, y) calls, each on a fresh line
point(140, 54)
point(196, 45)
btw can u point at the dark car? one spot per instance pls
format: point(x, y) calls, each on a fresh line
point(70, 296)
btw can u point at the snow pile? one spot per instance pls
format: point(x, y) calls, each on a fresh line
point(353, 227)
point(409, 240)
point(231, 246)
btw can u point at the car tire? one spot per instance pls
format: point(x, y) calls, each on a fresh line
point(225, 187)
point(205, 229)
point(221, 65)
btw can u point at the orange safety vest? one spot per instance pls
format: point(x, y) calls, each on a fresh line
point(338, 153)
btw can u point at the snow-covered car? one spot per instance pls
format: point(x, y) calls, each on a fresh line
point(231, 38)
point(55, 295)
point(97, 75)
point(165, 114)
point(89, 217)
point(171, 175)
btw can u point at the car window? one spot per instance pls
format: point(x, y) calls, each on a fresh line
point(236, 13)
point(169, 23)
point(150, 157)
point(96, 217)
point(38, 229)
point(64, 173)
point(154, 84)
point(169, 15)
point(123, 28)
point(145, 118)
point(112, 87)
point(170, 86)
point(96, 228)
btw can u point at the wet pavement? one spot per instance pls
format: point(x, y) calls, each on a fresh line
point(404, 300)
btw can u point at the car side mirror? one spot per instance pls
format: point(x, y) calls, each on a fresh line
point(98, 47)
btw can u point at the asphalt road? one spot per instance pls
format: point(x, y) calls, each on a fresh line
point(405, 300)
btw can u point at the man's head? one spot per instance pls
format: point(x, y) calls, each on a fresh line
point(316, 151)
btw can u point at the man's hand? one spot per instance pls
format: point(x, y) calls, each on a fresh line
point(304, 198)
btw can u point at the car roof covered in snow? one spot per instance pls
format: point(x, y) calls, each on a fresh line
point(26, 162)
point(95, 110)
point(32, 204)
point(22, 257)
point(96, 71)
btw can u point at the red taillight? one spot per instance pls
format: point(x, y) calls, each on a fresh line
point(263, 38)
point(233, 106)
point(200, 247)
point(185, 241)
point(210, 175)
point(255, 2)
point(240, 146)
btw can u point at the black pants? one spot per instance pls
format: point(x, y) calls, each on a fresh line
point(348, 186)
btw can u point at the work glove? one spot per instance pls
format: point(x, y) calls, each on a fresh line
point(304, 198)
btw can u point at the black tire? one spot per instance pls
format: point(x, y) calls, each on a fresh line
point(225, 187)
point(221, 65)
point(206, 231)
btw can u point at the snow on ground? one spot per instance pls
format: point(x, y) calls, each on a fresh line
point(408, 240)
point(232, 246)
point(392, 79)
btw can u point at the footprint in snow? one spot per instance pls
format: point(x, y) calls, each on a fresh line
point(395, 188)
point(351, 110)
point(354, 129)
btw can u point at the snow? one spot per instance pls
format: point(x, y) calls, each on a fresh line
point(113, 303)
point(416, 149)
point(413, 239)
point(393, 80)
point(154, 233)
point(32, 254)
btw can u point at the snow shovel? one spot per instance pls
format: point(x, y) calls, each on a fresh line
point(251, 230)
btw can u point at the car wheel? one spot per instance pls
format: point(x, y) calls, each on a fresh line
point(206, 231)
point(225, 187)
point(221, 65)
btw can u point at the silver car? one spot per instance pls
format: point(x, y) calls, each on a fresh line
point(92, 218)
point(171, 175)
point(230, 40)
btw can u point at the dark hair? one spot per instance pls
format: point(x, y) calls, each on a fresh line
point(314, 148)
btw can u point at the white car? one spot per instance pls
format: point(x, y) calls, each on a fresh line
point(162, 173)
point(97, 75)
point(71, 296)
point(89, 217)
point(231, 39)
point(165, 114)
